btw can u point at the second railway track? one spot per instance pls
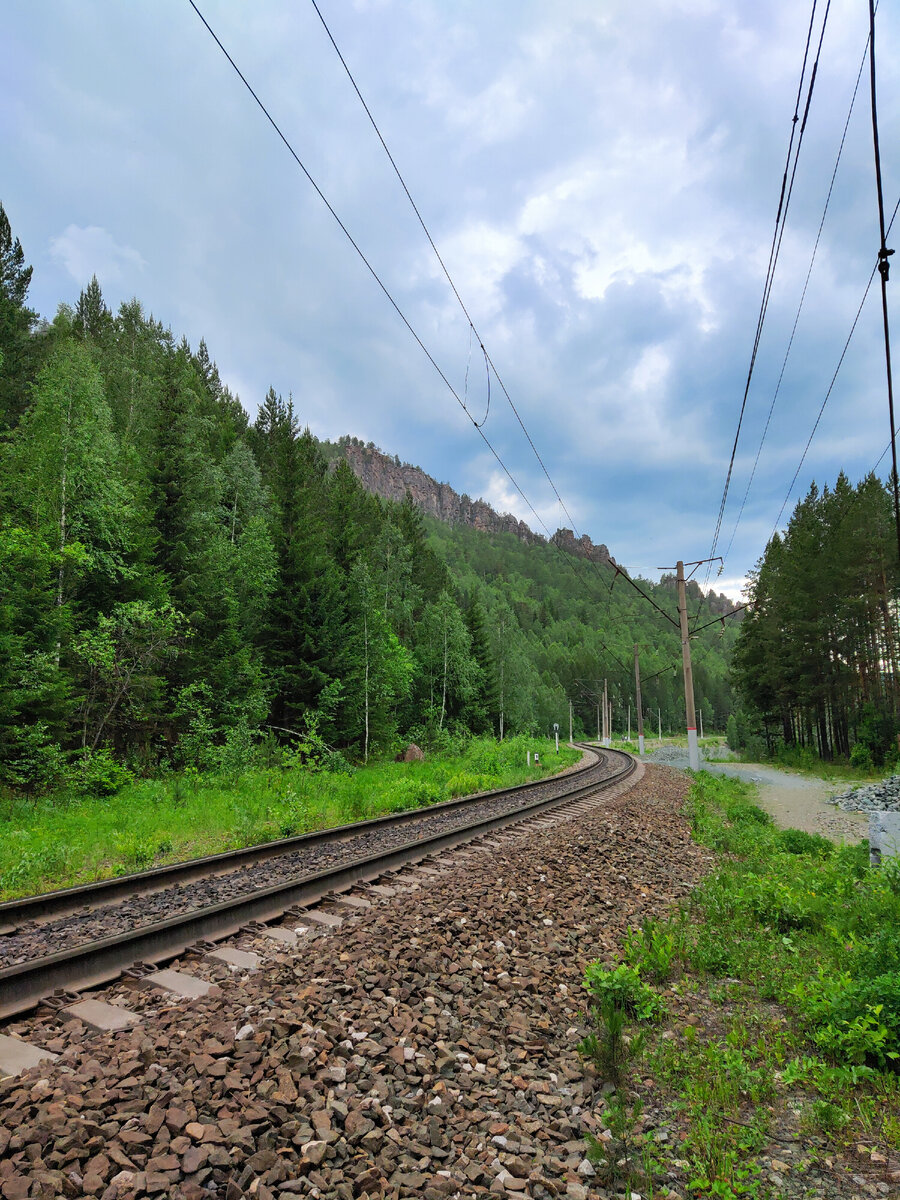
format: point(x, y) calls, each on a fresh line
point(156, 915)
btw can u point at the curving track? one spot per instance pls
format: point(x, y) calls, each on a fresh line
point(156, 915)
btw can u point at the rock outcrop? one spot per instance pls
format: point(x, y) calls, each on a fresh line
point(389, 478)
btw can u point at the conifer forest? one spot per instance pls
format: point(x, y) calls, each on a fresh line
point(180, 584)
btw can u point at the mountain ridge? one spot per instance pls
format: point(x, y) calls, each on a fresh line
point(386, 476)
point(391, 479)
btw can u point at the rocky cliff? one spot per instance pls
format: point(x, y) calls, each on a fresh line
point(389, 478)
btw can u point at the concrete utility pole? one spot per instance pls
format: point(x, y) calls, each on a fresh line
point(659, 719)
point(570, 722)
point(629, 720)
point(693, 748)
point(700, 715)
point(599, 735)
point(640, 711)
point(605, 714)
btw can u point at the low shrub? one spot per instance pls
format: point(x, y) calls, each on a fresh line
point(622, 987)
point(97, 773)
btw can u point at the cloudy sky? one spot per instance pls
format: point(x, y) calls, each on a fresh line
point(600, 177)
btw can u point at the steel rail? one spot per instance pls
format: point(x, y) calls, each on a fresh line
point(14, 913)
point(24, 985)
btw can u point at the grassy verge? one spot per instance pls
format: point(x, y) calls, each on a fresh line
point(770, 1042)
point(64, 839)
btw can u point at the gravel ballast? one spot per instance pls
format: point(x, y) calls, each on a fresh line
point(35, 939)
point(425, 1049)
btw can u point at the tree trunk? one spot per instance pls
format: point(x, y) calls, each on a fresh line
point(366, 647)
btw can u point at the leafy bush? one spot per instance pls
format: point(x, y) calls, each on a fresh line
point(336, 764)
point(31, 761)
point(861, 757)
point(652, 949)
point(622, 987)
point(97, 773)
point(798, 841)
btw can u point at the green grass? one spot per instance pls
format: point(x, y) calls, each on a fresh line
point(783, 974)
point(66, 838)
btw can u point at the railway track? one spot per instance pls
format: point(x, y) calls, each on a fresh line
point(155, 916)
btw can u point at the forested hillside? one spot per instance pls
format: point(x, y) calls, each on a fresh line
point(817, 657)
point(178, 582)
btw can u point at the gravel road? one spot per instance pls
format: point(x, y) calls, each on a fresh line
point(793, 801)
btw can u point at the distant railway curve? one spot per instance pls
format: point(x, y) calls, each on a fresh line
point(154, 916)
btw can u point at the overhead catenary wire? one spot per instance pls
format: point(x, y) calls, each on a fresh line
point(394, 304)
point(488, 360)
point(802, 301)
point(570, 559)
point(831, 385)
point(884, 271)
point(780, 221)
point(369, 267)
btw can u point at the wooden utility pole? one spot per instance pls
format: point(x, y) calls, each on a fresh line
point(640, 711)
point(693, 748)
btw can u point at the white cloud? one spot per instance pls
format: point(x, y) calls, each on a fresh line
point(90, 250)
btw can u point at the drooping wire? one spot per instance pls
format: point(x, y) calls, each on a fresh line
point(831, 386)
point(571, 560)
point(487, 371)
point(884, 271)
point(800, 305)
point(489, 361)
point(780, 221)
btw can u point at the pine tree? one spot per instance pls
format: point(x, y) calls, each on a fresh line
point(17, 354)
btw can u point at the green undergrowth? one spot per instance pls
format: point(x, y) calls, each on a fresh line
point(70, 838)
point(764, 1010)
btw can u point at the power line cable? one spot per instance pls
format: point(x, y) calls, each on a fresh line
point(831, 385)
point(884, 268)
point(488, 360)
point(405, 320)
point(780, 220)
point(568, 558)
point(369, 267)
point(800, 305)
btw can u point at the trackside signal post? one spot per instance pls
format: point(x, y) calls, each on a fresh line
point(693, 747)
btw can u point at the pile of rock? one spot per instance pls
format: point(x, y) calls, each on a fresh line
point(873, 797)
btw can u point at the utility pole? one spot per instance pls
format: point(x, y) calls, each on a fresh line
point(599, 736)
point(605, 715)
point(570, 722)
point(693, 749)
point(640, 711)
point(629, 720)
point(700, 715)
